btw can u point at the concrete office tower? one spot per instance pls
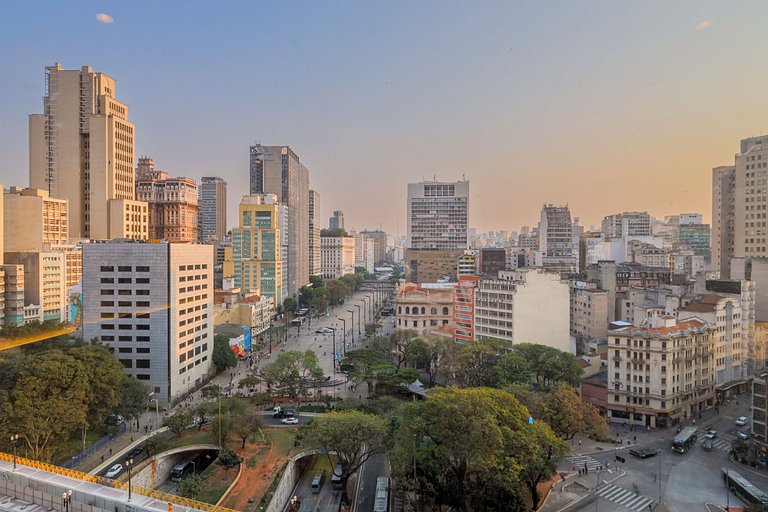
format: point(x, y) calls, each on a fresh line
point(82, 149)
point(256, 247)
point(337, 256)
point(45, 279)
point(337, 220)
point(314, 233)
point(627, 224)
point(33, 221)
point(277, 170)
point(739, 198)
point(153, 304)
point(556, 239)
point(438, 215)
point(380, 244)
point(212, 210)
point(172, 203)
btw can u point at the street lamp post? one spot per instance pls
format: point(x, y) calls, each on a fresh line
point(597, 488)
point(333, 356)
point(66, 499)
point(14, 438)
point(157, 412)
point(351, 330)
point(359, 332)
point(129, 465)
point(344, 333)
point(659, 457)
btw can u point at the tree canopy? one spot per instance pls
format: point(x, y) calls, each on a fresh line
point(223, 356)
point(293, 372)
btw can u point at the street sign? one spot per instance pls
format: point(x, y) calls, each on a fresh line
point(337, 357)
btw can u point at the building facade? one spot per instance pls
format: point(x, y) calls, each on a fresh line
point(427, 266)
point(45, 281)
point(150, 303)
point(81, 149)
point(627, 224)
point(524, 306)
point(33, 221)
point(171, 202)
point(589, 313)
point(336, 221)
point(337, 256)
point(556, 239)
point(256, 247)
point(661, 374)
point(278, 170)
point(423, 309)
point(464, 309)
point(212, 210)
point(438, 215)
point(314, 233)
point(380, 244)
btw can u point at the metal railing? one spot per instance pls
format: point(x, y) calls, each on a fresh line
point(98, 445)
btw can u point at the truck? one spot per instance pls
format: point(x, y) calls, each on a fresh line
point(279, 411)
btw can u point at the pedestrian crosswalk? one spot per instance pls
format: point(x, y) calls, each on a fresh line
point(718, 443)
point(624, 497)
point(580, 460)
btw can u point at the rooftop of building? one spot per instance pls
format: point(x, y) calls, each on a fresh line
point(704, 303)
point(671, 327)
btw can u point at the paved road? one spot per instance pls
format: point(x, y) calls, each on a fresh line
point(327, 500)
point(373, 468)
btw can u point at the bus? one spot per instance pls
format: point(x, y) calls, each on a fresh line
point(317, 482)
point(381, 501)
point(684, 440)
point(743, 488)
point(181, 470)
point(336, 478)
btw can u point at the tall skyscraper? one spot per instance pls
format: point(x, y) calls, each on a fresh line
point(152, 303)
point(256, 246)
point(314, 233)
point(81, 148)
point(337, 220)
point(277, 170)
point(438, 215)
point(627, 224)
point(739, 198)
point(556, 239)
point(172, 203)
point(212, 209)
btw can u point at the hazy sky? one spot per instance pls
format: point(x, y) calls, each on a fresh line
point(604, 105)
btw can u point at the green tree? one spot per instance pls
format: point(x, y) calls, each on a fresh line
point(353, 435)
point(223, 357)
point(249, 382)
point(178, 422)
point(293, 372)
point(546, 450)
point(290, 305)
point(210, 392)
point(333, 232)
point(133, 397)
point(43, 399)
point(476, 366)
point(512, 368)
point(469, 446)
point(221, 426)
point(203, 413)
point(247, 424)
point(548, 364)
point(190, 486)
point(103, 372)
point(228, 459)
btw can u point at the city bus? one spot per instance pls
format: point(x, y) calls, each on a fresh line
point(336, 478)
point(317, 482)
point(381, 500)
point(684, 440)
point(743, 488)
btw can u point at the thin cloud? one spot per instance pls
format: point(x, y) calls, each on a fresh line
point(105, 18)
point(704, 25)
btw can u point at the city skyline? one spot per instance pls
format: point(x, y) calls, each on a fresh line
point(505, 104)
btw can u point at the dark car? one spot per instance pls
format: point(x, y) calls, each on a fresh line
point(642, 453)
point(135, 452)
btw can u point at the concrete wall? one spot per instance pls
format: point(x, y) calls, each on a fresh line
point(288, 482)
point(542, 311)
point(159, 468)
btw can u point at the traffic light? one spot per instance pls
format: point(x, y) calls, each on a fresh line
point(620, 459)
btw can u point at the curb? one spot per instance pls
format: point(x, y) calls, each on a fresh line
point(568, 505)
point(108, 462)
point(231, 486)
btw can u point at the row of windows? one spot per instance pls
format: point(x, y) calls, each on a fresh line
point(199, 266)
point(124, 280)
point(124, 327)
point(193, 288)
point(125, 338)
point(125, 303)
point(124, 292)
point(415, 310)
point(190, 365)
point(124, 269)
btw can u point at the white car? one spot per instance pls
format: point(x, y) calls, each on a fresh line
point(114, 471)
point(741, 421)
point(290, 421)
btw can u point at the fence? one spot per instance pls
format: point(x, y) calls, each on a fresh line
point(98, 445)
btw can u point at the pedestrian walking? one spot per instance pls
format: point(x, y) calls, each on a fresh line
point(649, 428)
point(579, 443)
point(110, 452)
point(635, 438)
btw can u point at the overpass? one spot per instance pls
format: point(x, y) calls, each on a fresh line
point(43, 484)
point(6, 344)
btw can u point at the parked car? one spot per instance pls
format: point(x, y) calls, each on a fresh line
point(741, 421)
point(643, 453)
point(327, 330)
point(289, 421)
point(742, 435)
point(114, 419)
point(135, 452)
point(711, 434)
point(114, 471)
point(320, 331)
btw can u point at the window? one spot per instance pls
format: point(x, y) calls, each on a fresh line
point(107, 327)
point(107, 315)
point(124, 280)
point(107, 303)
point(107, 338)
point(127, 363)
point(142, 363)
point(141, 338)
point(123, 292)
point(142, 350)
point(142, 292)
point(142, 280)
point(142, 327)
point(107, 292)
point(125, 350)
point(107, 280)
point(142, 269)
point(123, 269)
point(107, 269)
point(142, 304)
point(125, 327)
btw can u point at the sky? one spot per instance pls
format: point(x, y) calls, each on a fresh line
point(607, 106)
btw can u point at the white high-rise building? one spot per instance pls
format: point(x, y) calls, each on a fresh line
point(81, 148)
point(152, 304)
point(438, 215)
point(337, 256)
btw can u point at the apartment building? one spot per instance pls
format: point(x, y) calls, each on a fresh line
point(662, 373)
point(33, 221)
point(44, 283)
point(527, 305)
point(150, 303)
point(556, 239)
point(212, 210)
point(627, 224)
point(589, 313)
point(337, 256)
point(464, 308)
point(438, 215)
